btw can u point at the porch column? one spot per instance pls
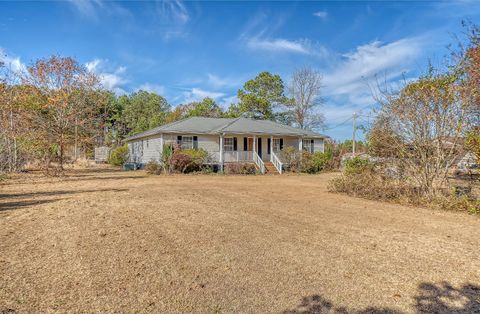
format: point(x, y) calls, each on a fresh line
point(221, 151)
point(300, 144)
point(254, 144)
point(161, 146)
point(271, 148)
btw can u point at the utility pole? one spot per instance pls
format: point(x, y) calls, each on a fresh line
point(353, 135)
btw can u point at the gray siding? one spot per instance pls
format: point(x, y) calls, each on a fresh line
point(290, 142)
point(318, 145)
point(144, 150)
point(147, 149)
point(210, 143)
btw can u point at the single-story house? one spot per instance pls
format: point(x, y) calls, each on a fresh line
point(225, 140)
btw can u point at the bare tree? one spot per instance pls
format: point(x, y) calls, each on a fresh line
point(422, 126)
point(304, 90)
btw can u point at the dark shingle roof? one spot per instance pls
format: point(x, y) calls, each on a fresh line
point(201, 125)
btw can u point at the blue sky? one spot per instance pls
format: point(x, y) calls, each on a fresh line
point(188, 50)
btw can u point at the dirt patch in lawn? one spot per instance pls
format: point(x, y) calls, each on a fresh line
point(112, 241)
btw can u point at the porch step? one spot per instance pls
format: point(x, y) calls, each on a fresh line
point(270, 168)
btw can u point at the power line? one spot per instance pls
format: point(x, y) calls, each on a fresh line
point(336, 126)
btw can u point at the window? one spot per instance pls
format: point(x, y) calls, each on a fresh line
point(308, 145)
point(276, 145)
point(228, 144)
point(187, 142)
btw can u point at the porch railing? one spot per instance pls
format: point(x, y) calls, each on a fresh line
point(276, 162)
point(259, 162)
point(238, 156)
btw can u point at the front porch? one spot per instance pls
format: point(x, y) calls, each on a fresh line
point(264, 151)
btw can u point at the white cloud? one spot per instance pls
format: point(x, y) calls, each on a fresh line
point(277, 45)
point(96, 9)
point(347, 86)
point(259, 35)
point(152, 88)
point(226, 101)
point(196, 94)
point(173, 11)
point(356, 68)
point(172, 17)
point(112, 78)
point(87, 7)
point(321, 14)
point(12, 63)
point(92, 65)
point(280, 45)
point(217, 81)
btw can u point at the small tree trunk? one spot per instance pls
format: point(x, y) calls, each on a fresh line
point(61, 156)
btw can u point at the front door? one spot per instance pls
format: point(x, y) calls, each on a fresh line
point(259, 141)
point(250, 144)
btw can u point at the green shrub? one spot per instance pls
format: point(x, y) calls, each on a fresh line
point(357, 165)
point(314, 163)
point(153, 167)
point(199, 156)
point(118, 156)
point(304, 161)
point(321, 161)
point(167, 153)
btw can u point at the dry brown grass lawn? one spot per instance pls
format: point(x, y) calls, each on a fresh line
point(111, 241)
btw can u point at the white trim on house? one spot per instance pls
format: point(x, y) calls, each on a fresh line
point(308, 145)
point(187, 142)
point(228, 144)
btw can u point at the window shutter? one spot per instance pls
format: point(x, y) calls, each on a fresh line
point(235, 144)
point(269, 145)
point(281, 143)
point(195, 142)
point(245, 144)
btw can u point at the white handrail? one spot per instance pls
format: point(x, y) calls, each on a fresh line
point(237, 156)
point(259, 162)
point(276, 162)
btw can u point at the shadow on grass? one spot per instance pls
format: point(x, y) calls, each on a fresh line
point(444, 298)
point(74, 176)
point(20, 204)
point(57, 193)
point(97, 178)
point(440, 299)
point(26, 201)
